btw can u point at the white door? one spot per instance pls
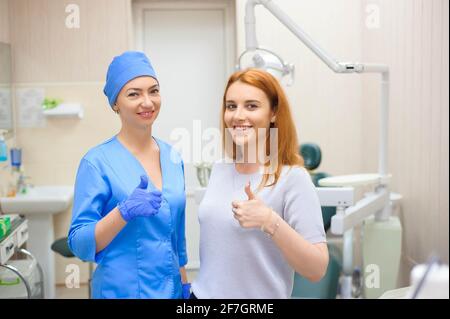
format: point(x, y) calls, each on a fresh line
point(191, 46)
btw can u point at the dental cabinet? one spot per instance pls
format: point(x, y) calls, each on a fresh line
point(21, 275)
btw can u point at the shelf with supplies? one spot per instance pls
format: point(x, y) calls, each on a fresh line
point(21, 276)
point(65, 110)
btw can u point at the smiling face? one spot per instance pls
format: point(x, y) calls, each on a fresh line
point(139, 102)
point(247, 109)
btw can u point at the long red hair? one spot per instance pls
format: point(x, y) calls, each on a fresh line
point(288, 147)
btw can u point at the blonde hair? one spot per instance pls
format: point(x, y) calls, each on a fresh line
point(287, 136)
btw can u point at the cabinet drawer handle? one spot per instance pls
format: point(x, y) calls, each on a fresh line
point(11, 246)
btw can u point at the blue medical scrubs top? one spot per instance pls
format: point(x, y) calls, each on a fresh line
point(143, 260)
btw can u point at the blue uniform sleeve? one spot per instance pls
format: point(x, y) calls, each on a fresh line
point(182, 255)
point(90, 197)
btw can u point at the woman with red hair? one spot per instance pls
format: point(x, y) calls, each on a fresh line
point(252, 241)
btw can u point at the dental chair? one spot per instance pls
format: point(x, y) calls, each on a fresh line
point(327, 287)
point(61, 247)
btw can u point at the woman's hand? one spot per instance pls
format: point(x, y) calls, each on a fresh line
point(186, 290)
point(140, 203)
point(252, 213)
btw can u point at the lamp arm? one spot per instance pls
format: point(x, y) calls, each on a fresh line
point(354, 215)
point(250, 31)
point(330, 61)
point(338, 67)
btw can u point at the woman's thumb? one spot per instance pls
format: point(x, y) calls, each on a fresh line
point(144, 182)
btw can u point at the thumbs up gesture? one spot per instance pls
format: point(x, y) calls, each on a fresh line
point(251, 213)
point(141, 203)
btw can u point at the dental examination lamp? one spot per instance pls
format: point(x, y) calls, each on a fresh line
point(268, 60)
point(340, 190)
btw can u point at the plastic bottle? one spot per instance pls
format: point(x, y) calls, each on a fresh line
point(382, 246)
point(3, 147)
point(12, 185)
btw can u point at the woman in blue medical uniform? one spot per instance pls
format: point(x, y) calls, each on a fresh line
point(129, 202)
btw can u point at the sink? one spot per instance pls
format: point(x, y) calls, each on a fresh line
point(39, 200)
point(39, 205)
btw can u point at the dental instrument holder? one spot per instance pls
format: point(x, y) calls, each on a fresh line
point(378, 203)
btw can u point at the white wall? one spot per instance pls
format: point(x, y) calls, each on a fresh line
point(4, 21)
point(413, 40)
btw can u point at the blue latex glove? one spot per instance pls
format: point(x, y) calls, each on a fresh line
point(140, 202)
point(186, 288)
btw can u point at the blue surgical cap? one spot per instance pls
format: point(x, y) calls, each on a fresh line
point(124, 68)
